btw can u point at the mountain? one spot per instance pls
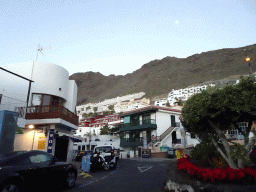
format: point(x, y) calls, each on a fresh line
point(159, 77)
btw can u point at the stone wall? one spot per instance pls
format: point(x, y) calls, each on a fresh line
point(159, 155)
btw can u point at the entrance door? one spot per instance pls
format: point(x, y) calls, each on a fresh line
point(61, 148)
point(173, 124)
point(149, 136)
point(174, 137)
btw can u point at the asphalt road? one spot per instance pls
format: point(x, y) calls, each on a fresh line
point(129, 175)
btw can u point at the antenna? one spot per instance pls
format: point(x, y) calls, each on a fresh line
point(40, 49)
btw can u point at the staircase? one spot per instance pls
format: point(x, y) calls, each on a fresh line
point(167, 132)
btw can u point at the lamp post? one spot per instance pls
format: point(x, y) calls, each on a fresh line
point(248, 59)
point(32, 127)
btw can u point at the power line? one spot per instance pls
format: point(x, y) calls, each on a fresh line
point(13, 98)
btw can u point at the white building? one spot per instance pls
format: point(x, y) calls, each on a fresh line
point(51, 107)
point(155, 128)
point(121, 104)
point(181, 94)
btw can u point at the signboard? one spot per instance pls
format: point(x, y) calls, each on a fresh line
point(50, 140)
point(145, 153)
point(41, 144)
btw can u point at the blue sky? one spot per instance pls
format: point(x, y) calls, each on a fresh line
point(118, 37)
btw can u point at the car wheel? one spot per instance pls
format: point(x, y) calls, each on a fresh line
point(112, 165)
point(10, 187)
point(70, 179)
point(106, 167)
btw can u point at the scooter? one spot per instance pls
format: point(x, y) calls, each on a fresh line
point(104, 161)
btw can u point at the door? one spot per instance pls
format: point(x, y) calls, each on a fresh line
point(149, 136)
point(173, 124)
point(174, 137)
point(61, 148)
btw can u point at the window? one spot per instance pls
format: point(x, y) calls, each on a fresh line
point(39, 158)
point(234, 133)
point(36, 100)
point(83, 147)
point(192, 135)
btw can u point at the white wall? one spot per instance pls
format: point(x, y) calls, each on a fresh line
point(24, 141)
point(71, 96)
point(163, 120)
point(47, 77)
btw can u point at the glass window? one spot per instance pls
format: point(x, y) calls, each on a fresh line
point(39, 158)
point(46, 100)
point(37, 99)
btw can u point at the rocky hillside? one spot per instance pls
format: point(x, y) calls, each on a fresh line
point(159, 77)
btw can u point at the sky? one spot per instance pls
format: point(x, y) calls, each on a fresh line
point(119, 36)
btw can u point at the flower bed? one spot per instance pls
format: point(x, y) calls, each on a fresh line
point(227, 174)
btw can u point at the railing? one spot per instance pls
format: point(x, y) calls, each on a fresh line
point(51, 112)
point(167, 132)
point(15, 107)
point(131, 142)
point(176, 124)
point(144, 124)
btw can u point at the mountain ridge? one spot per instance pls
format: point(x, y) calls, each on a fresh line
point(159, 77)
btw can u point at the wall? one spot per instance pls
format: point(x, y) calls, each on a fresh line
point(71, 96)
point(159, 155)
point(48, 79)
point(25, 141)
point(163, 120)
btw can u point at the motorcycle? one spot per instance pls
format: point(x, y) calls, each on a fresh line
point(105, 161)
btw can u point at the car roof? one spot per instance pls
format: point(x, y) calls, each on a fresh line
point(104, 146)
point(17, 153)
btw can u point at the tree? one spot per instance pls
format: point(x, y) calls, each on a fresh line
point(111, 108)
point(213, 112)
point(95, 109)
point(180, 102)
point(168, 104)
point(87, 108)
point(104, 130)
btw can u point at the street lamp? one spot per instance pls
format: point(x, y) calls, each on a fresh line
point(248, 59)
point(32, 127)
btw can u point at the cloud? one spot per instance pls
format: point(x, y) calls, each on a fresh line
point(176, 22)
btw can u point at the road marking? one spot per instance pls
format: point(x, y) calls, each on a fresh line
point(143, 169)
point(86, 184)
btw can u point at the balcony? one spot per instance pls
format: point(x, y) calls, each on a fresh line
point(139, 125)
point(131, 142)
point(51, 112)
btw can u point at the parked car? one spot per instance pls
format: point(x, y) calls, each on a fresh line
point(107, 149)
point(22, 169)
point(82, 153)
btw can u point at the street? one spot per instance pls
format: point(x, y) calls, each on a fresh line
point(129, 175)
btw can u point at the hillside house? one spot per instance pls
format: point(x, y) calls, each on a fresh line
point(153, 127)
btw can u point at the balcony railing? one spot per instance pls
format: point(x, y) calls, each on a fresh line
point(51, 112)
point(138, 125)
point(175, 124)
point(131, 142)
